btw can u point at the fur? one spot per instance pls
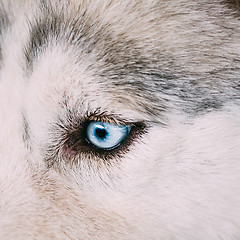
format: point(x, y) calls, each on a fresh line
point(170, 69)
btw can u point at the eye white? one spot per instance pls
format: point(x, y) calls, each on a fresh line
point(106, 135)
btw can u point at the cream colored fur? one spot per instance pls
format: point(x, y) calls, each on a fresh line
point(179, 181)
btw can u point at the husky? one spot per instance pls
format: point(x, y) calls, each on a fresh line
point(119, 120)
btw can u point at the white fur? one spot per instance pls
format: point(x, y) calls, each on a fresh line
point(179, 181)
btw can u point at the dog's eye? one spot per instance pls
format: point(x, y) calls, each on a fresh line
point(107, 136)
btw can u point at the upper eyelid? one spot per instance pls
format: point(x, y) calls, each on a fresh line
point(109, 118)
point(73, 114)
point(73, 120)
point(73, 125)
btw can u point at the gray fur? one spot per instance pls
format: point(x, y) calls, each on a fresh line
point(4, 23)
point(121, 62)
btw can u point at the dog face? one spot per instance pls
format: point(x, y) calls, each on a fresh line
point(119, 120)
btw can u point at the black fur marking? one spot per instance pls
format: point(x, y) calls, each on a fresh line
point(234, 4)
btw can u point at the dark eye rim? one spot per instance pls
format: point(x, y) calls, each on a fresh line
point(77, 142)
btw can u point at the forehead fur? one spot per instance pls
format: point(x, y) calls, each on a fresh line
point(155, 52)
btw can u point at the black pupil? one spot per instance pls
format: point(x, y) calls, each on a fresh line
point(101, 133)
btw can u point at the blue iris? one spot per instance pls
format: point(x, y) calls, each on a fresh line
point(106, 135)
